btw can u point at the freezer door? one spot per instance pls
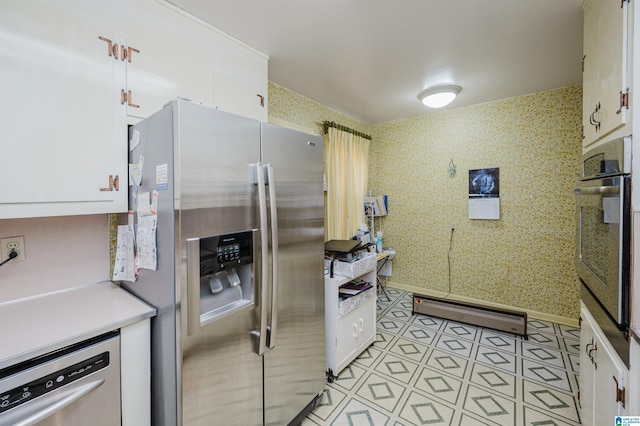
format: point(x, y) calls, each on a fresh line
point(202, 162)
point(216, 156)
point(295, 359)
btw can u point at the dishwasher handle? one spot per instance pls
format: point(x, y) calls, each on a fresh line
point(69, 399)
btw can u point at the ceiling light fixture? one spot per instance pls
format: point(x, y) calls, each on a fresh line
point(439, 96)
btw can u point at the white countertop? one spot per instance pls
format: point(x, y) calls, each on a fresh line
point(37, 325)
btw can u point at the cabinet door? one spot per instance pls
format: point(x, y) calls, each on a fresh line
point(167, 59)
point(177, 55)
point(601, 374)
point(608, 378)
point(348, 335)
point(63, 133)
point(633, 388)
point(589, 73)
point(605, 78)
point(587, 371)
point(356, 330)
point(241, 89)
point(628, 393)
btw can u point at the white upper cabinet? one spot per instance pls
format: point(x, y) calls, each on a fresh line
point(177, 55)
point(63, 138)
point(238, 86)
point(74, 74)
point(168, 58)
point(605, 83)
point(164, 64)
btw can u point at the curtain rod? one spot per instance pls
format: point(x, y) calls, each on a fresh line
point(327, 124)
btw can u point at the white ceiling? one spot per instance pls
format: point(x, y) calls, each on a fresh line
point(370, 58)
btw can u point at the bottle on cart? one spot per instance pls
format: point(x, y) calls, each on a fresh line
point(379, 243)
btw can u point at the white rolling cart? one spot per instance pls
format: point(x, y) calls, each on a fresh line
point(350, 324)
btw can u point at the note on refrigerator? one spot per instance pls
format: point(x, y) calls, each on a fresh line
point(134, 138)
point(123, 269)
point(147, 256)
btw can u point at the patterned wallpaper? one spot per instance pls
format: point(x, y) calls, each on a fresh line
point(294, 108)
point(525, 259)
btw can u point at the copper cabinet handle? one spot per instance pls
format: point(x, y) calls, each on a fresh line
point(127, 52)
point(129, 100)
point(261, 99)
point(127, 97)
point(112, 48)
point(620, 393)
point(624, 101)
point(114, 183)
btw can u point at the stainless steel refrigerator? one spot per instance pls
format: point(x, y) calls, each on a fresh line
point(239, 336)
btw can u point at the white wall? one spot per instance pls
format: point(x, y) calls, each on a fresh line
point(61, 252)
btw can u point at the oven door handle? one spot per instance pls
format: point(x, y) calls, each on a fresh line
point(597, 190)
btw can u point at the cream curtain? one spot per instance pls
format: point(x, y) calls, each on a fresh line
point(346, 167)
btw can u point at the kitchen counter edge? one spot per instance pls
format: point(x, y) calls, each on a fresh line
point(37, 325)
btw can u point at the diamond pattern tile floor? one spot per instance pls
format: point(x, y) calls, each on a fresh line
point(429, 371)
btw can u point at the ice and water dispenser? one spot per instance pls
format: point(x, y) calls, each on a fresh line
point(220, 274)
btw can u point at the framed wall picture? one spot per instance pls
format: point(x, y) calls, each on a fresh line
point(484, 193)
point(484, 183)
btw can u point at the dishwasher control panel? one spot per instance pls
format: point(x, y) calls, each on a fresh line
point(35, 388)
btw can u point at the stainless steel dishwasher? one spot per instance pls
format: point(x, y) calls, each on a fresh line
point(77, 385)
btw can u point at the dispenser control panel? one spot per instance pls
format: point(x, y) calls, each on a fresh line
point(228, 253)
point(225, 251)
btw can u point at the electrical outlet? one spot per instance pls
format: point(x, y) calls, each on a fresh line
point(12, 243)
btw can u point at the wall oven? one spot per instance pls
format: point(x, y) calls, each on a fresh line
point(603, 198)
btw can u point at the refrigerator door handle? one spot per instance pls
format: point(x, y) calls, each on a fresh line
point(274, 256)
point(264, 246)
point(193, 285)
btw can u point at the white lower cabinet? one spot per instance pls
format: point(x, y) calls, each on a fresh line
point(603, 376)
point(135, 356)
point(356, 332)
point(350, 325)
point(634, 375)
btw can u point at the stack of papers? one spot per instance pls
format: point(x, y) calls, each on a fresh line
point(354, 287)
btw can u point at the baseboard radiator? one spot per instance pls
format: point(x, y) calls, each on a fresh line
point(471, 313)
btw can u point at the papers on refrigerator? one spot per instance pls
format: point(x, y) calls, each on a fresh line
point(123, 269)
point(147, 256)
